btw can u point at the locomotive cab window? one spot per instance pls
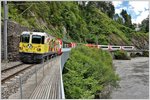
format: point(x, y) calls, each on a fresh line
point(25, 38)
point(37, 39)
point(43, 39)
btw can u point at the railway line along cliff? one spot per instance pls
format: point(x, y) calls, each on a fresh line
point(70, 21)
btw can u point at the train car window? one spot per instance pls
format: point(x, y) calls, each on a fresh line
point(115, 47)
point(43, 39)
point(25, 38)
point(127, 47)
point(104, 47)
point(36, 39)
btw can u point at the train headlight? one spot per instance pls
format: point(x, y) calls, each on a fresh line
point(21, 48)
point(38, 49)
point(29, 45)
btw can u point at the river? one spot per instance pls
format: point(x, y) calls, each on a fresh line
point(134, 75)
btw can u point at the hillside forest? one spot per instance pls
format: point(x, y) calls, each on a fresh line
point(78, 21)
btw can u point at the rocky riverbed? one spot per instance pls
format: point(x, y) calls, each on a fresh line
point(134, 75)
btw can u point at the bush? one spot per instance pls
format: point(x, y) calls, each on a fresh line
point(133, 55)
point(87, 72)
point(122, 55)
point(146, 53)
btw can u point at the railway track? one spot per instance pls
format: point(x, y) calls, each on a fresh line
point(9, 77)
point(4, 70)
point(13, 71)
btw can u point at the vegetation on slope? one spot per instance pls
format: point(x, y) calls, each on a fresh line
point(72, 21)
point(122, 55)
point(146, 53)
point(87, 72)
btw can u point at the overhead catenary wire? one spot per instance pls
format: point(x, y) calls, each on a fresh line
point(43, 26)
point(26, 9)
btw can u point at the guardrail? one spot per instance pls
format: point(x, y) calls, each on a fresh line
point(64, 58)
point(25, 90)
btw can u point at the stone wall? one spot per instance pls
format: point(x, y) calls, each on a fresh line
point(14, 31)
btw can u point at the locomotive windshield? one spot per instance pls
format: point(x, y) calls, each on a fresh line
point(25, 38)
point(37, 39)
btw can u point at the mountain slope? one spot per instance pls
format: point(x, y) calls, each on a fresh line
point(74, 22)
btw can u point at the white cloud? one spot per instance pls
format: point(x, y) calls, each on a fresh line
point(139, 8)
point(139, 5)
point(141, 17)
point(135, 8)
point(118, 11)
point(125, 8)
point(116, 3)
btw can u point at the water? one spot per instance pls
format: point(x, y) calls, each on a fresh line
point(134, 74)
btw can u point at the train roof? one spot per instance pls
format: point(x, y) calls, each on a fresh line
point(103, 45)
point(35, 33)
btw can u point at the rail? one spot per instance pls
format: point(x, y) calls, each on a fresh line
point(6, 69)
point(16, 73)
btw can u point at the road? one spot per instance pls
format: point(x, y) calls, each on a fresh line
point(134, 74)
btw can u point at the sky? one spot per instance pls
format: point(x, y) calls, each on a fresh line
point(138, 10)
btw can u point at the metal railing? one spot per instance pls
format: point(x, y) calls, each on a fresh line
point(27, 85)
point(64, 58)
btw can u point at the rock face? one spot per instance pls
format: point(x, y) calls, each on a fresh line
point(141, 42)
point(14, 31)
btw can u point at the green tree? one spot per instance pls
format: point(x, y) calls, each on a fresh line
point(145, 25)
point(118, 19)
point(127, 18)
point(105, 6)
point(87, 72)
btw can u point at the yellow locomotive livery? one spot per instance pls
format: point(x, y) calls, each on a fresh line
point(38, 46)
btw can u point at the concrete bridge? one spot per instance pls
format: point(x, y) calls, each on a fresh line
point(138, 52)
